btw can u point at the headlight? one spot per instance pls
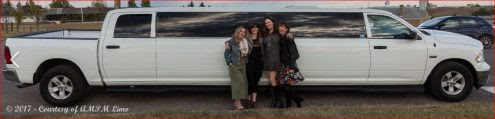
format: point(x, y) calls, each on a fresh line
point(479, 56)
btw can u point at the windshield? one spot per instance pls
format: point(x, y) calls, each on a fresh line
point(432, 22)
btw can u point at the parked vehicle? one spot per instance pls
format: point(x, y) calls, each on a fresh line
point(475, 27)
point(144, 47)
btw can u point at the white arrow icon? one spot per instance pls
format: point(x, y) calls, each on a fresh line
point(12, 59)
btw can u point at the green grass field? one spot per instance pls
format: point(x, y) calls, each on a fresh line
point(450, 110)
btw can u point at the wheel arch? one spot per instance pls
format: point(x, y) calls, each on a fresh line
point(466, 63)
point(47, 64)
point(485, 34)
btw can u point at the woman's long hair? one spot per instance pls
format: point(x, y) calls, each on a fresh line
point(237, 30)
point(255, 25)
point(265, 30)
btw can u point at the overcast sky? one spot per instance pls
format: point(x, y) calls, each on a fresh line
point(276, 3)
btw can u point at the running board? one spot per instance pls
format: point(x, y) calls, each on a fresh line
point(164, 88)
point(24, 85)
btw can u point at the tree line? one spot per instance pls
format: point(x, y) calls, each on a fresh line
point(30, 9)
point(483, 12)
point(144, 3)
point(19, 13)
point(191, 4)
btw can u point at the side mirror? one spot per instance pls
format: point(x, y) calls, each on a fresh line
point(414, 36)
point(440, 26)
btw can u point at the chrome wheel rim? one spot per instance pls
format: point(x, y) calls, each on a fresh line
point(60, 87)
point(486, 41)
point(453, 83)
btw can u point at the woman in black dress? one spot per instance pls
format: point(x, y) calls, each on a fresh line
point(255, 64)
point(288, 56)
point(271, 58)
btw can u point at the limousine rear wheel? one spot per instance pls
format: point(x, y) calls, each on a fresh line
point(62, 85)
point(451, 81)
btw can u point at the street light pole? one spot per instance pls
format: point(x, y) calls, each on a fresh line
point(82, 16)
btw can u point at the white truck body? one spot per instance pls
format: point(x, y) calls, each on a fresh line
point(199, 60)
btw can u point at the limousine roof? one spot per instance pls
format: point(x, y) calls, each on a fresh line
point(246, 9)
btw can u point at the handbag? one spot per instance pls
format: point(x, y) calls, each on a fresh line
point(290, 75)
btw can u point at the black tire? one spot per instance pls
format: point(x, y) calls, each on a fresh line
point(487, 41)
point(434, 84)
point(77, 82)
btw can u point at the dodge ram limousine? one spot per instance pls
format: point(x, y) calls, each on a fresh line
point(184, 46)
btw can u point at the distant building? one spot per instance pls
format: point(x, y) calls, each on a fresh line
point(413, 15)
point(75, 14)
point(423, 4)
point(430, 6)
point(473, 5)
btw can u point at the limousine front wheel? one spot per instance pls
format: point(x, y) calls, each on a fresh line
point(451, 82)
point(62, 85)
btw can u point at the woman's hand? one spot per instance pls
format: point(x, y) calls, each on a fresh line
point(289, 35)
point(227, 45)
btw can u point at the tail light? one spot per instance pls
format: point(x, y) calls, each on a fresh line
point(7, 55)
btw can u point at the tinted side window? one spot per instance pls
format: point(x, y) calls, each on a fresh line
point(388, 28)
point(196, 24)
point(324, 25)
point(222, 24)
point(133, 26)
point(482, 22)
point(450, 23)
point(468, 22)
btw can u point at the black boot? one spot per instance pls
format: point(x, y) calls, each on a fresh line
point(273, 94)
point(288, 101)
point(298, 101)
point(294, 97)
point(278, 96)
point(288, 98)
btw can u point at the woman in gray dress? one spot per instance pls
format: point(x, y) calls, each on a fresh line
point(271, 58)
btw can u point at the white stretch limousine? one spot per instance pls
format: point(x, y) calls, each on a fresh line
point(184, 46)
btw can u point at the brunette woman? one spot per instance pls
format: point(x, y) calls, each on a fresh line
point(236, 53)
point(255, 64)
point(288, 56)
point(271, 58)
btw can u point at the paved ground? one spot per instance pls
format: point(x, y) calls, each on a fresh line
point(488, 54)
point(219, 99)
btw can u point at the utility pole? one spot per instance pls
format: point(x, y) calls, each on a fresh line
point(116, 4)
point(82, 15)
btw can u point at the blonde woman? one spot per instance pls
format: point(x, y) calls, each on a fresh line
point(237, 50)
